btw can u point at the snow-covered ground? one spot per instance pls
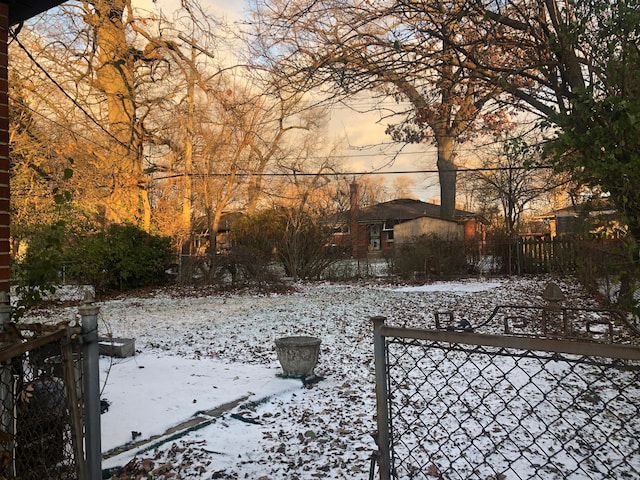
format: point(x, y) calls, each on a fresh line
point(198, 351)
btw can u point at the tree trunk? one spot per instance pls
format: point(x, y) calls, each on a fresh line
point(254, 189)
point(187, 184)
point(447, 175)
point(128, 199)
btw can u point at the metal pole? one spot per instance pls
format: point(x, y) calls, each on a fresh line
point(91, 386)
point(382, 410)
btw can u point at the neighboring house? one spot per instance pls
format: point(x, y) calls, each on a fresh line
point(223, 236)
point(201, 238)
point(596, 217)
point(376, 229)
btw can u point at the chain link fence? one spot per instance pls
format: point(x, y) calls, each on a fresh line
point(41, 417)
point(557, 400)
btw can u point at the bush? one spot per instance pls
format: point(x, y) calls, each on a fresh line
point(41, 268)
point(293, 238)
point(121, 257)
point(430, 256)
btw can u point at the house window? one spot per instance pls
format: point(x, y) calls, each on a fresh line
point(374, 231)
point(342, 229)
point(375, 244)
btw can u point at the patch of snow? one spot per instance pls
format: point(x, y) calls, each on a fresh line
point(459, 288)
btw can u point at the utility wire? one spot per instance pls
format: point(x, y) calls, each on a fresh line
point(14, 37)
point(303, 174)
point(353, 157)
point(64, 92)
point(346, 174)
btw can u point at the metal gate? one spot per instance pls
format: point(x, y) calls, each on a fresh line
point(41, 427)
point(50, 397)
point(555, 395)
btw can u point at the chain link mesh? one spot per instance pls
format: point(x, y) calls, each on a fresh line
point(513, 410)
point(495, 413)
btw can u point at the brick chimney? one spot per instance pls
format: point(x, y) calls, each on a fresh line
point(354, 214)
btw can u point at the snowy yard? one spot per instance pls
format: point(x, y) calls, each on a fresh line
point(197, 352)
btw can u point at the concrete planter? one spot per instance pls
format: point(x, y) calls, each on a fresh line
point(298, 356)
point(117, 347)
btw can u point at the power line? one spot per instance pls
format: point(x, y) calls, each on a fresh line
point(351, 157)
point(303, 174)
point(347, 174)
point(357, 156)
point(65, 93)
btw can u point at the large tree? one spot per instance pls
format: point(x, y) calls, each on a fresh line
point(343, 47)
point(114, 74)
point(89, 76)
point(576, 64)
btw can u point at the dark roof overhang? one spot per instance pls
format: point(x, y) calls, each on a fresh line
point(21, 11)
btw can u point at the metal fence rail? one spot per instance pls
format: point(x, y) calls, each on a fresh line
point(463, 405)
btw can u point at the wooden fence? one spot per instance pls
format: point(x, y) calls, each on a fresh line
point(546, 255)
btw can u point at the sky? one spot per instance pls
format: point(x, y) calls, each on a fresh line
point(360, 134)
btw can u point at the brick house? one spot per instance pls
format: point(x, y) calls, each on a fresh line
point(11, 14)
point(374, 230)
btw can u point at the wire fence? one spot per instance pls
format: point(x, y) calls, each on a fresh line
point(457, 404)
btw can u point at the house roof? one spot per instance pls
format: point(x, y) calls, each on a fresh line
point(404, 209)
point(20, 11)
point(589, 208)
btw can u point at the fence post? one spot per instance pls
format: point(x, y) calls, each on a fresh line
point(7, 393)
point(91, 385)
point(382, 410)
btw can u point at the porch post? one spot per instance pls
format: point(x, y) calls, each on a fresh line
point(91, 385)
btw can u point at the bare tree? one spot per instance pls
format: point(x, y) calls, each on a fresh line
point(113, 71)
point(505, 179)
point(394, 49)
point(159, 130)
point(575, 65)
point(93, 79)
point(185, 64)
point(402, 187)
point(39, 170)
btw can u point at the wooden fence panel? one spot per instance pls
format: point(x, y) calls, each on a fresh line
point(546, 255)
